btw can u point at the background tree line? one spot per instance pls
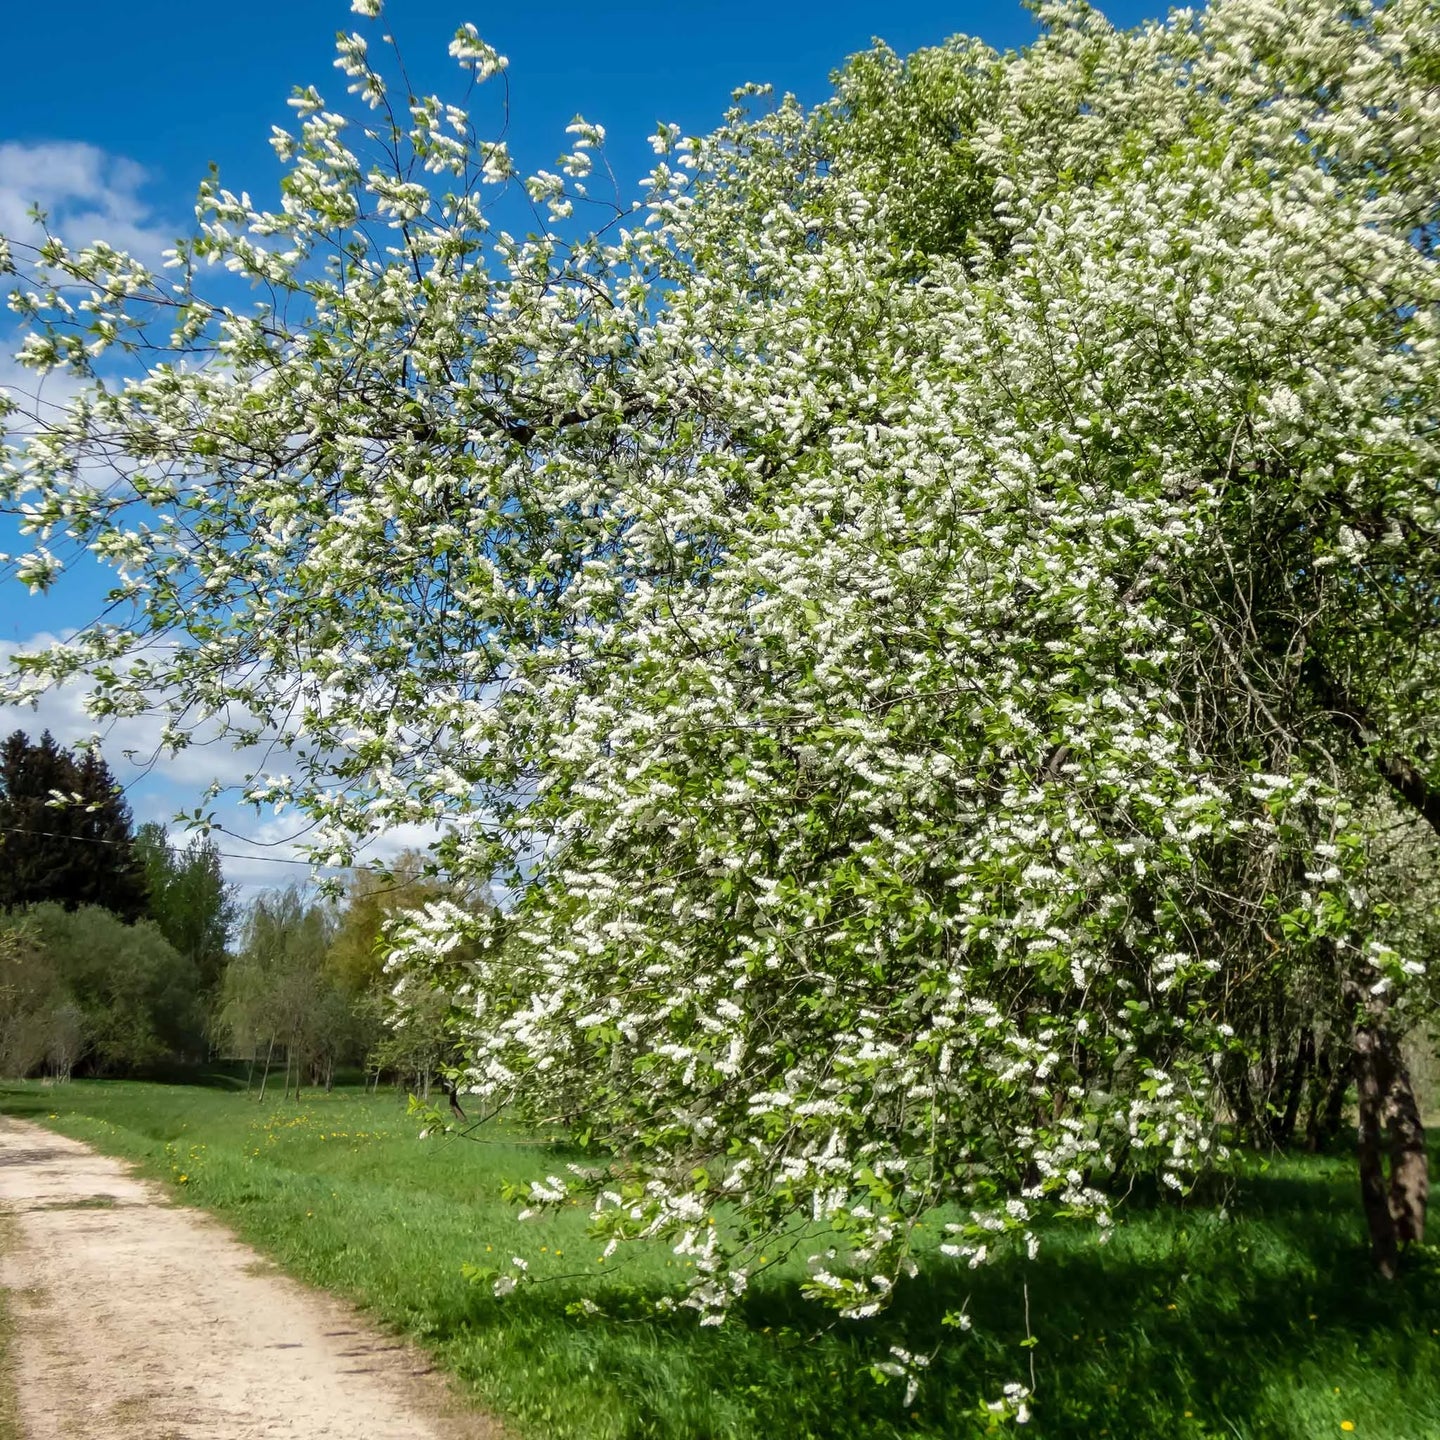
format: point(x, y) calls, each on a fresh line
point(119, 950)
point(307, 987)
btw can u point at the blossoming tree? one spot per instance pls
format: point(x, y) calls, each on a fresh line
point(930, 611)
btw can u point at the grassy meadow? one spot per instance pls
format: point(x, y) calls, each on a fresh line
point(1251, 1314)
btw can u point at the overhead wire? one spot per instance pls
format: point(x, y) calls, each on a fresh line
point(227, 854)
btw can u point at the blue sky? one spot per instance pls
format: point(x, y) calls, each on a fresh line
point(113, 139)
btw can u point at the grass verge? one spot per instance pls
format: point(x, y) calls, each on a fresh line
point(1255, 1320)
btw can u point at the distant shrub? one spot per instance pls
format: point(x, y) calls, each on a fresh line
point(81, 989)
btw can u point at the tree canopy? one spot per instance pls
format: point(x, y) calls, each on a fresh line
point(188, 899)
point(930, 609)
point(65, 831)
point(80, 988)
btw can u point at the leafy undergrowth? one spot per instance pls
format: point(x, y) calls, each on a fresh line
point(1253, 1315)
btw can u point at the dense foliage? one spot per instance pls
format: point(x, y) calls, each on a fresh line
point(80, 990)
point(65, 830)
point(85, 985)
point(276, 991)
point(188, 899)
point(932, 610)
point(407, 1035)
point(307, 986)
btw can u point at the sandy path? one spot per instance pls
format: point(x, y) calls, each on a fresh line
point(135, 1319)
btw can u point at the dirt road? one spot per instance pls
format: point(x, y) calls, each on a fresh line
point(135, 1319)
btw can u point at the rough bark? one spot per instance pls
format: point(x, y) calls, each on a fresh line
point(1370, 1082)
point(1389, 1128)
point(1409, 1159)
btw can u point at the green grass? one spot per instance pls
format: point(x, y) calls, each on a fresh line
point(1261, 1320)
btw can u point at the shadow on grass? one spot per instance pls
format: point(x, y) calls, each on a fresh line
point(1187, 1323)
point(222, 1075)
point(1247, 1311)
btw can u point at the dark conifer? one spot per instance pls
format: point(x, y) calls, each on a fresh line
point(77, 852)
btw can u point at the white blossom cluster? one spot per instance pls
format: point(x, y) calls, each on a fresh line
point(789, 590)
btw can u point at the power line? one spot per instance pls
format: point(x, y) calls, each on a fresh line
point(228, 854)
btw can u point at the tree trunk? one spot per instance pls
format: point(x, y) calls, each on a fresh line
point(1284, 1131)
point(1334, 1115)
point(1409, 1159)
point(266, 1075)
point(1370, 1081)
point(1389, 1122)
point(1237, 1092)
point(1321, 1076)
point(1269, 1064)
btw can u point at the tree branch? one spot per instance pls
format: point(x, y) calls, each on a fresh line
point(1400, 774)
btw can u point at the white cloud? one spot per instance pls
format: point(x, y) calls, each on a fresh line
point(260, 854)
point(87, 193)
point(131, 746)
point(260, 848)
point(41, 398)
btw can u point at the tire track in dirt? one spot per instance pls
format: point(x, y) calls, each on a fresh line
point(136, 1319)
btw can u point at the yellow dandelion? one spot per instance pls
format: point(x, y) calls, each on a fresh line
point(1347, 1424)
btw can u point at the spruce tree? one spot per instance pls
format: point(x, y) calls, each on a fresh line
point(79, 851)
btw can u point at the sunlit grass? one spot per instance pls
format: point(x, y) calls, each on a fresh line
point(1258, 1319)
